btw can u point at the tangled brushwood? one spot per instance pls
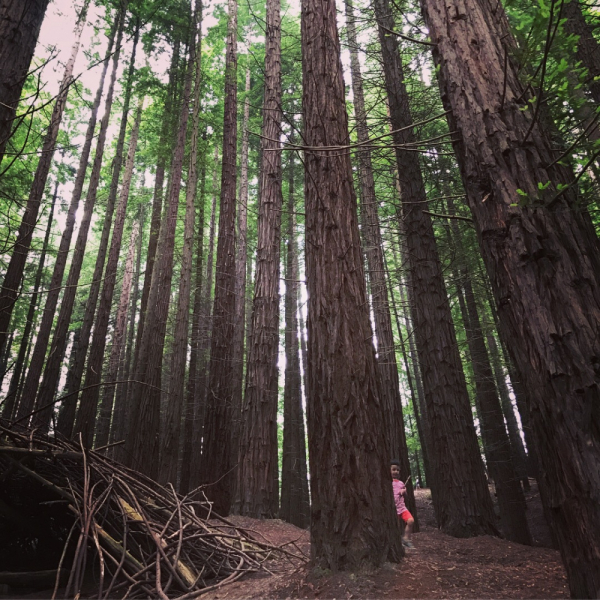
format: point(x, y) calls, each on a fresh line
point(95, 527)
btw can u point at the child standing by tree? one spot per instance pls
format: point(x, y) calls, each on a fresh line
point(403, 513)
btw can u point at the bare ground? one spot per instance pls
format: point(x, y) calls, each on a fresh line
point(439, 567)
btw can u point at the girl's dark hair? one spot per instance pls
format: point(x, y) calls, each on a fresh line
point(395, 461)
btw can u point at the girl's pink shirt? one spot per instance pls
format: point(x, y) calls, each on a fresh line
point(399, 489)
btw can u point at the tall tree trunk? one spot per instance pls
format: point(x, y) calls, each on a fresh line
point(157, 205)
point(86, 417)
point(412, 383)
point(295, 505)
point(386, 350)
point(216, 458)
point(67, 416)
point(516, 443)
point(192, 414)
point(258, 471)
point(20, 24)
point(143, 441)
point(108, 393)
point(349, 456)
point(11, 396)
point(46, 326)
point(498, 449)
point(241, 258)
point(543, 263)
point(204, 334)
point(14, 272)
point(117, 430)
point(51, 372)
point(170, 442)
point(463, 505)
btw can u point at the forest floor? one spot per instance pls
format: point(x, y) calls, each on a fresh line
point(439, 567)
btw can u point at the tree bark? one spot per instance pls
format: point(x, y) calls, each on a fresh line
point(386, 350)
point(542, 258)
point(20, 24)
point(65, 424)
point(349, 456)
point(14, 272)
point(47, 388)
point(241, 258)
point(143, 436)
point(196, 466)
point(258, 474)
point(86, 417)
point(117, 430)
point(295, 505)
point(461, 498)
point(193, 407)
point(170, 442)
point(216, 458)
point(11, 397)
point(108, 393)
point(45, 329)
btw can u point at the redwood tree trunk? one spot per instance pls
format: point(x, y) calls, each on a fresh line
point(108, 393)
point(143, 436)
point(14, 272)
point(47, 388)
point(170, 442)
point(461, 498)
point(295, 505)
point(86, 417)
point(9, 402)
point(20, 24)
point(196, 466)
point(543, 262)
point(349, 456)
point(386, 349)
point(258, 472)
point(46, 327)
point(67, 417)
point(241, 258)
point(216, 458)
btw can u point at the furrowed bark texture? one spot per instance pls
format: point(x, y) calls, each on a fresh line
point(143, 441)
point(86, 417)
point(463, 507)
point(20, 24)
point(349, 455)
point(14, 272)
point(170, 441)
point(216, 457)
point(386, 350)
point(295, 505)
point(543, 263)
point(258, 481)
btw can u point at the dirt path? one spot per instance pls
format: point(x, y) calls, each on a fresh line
point(439, 567)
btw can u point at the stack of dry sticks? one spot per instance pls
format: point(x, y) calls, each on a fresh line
point(143, 540)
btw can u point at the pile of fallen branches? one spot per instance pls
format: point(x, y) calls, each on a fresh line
point(141, 539)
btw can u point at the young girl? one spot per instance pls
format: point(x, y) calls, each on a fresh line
point(403, 512)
